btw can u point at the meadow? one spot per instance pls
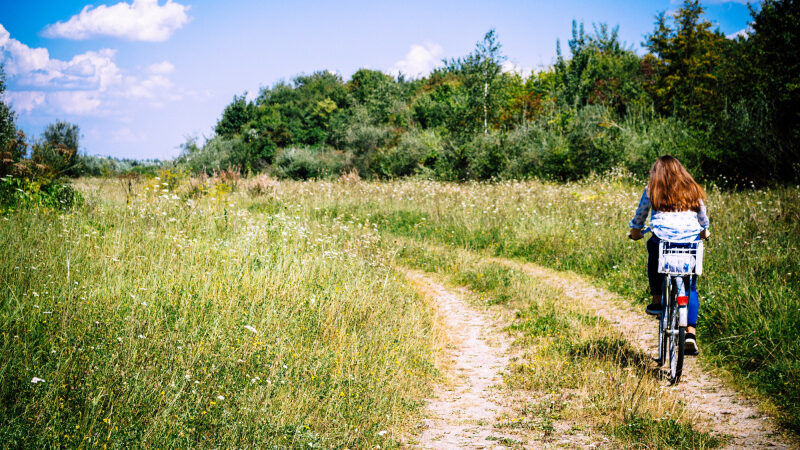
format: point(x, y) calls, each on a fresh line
point(176, 311)
point(202, 321)
point(750, 310)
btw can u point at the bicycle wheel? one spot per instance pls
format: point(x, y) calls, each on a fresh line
point(677, 341)
point(662, 323)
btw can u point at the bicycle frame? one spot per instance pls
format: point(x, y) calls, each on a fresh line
point(680, 263)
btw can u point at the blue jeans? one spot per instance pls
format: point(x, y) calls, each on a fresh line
point(657, 280)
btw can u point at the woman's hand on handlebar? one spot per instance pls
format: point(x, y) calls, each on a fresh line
point(637, 234)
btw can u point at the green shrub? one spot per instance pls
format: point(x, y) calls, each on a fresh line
point(18, 193)
point(305, 163)
point(486, 156)
point(643, 137)
point(415, 150)
point(532, 148)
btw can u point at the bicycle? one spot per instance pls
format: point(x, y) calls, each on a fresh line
point(679, 262)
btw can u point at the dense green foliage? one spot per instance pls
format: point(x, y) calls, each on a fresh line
point(7, 124)
point(726, 106)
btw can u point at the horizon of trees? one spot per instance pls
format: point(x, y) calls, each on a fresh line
point(728, 108)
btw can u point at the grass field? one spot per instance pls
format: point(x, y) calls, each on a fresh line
point(750, 310)
point(180, 322)
point(249, 312)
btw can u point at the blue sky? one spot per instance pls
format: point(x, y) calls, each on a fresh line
point(140, 76)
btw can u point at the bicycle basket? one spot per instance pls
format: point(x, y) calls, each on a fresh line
point(680, 258)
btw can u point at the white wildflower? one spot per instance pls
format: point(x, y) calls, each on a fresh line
point(36, 380)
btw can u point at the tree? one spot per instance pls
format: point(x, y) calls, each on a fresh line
point(601, 71)
point(376, 91)
point(301, 112)
point(775, 43)
point(684, 63)
point(8, 127)
point(63, 134)
point(235, 116)
point(58, 148)
point(479, 71)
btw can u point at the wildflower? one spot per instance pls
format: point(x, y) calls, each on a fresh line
point(382, 433)
point(220, 397)
point(37, 380)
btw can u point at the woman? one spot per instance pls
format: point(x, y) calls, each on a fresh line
point(678, 215)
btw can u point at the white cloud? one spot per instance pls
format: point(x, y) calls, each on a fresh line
point(744, 32)
point(4, 36)
point(143, 20)
point(162, 68)
point(89, 83)
point(74, 102)
point(419, 61)
point(25, 101)
point(510, 67)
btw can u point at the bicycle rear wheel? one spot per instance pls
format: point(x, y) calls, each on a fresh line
point(677, 341)
point(663, 322)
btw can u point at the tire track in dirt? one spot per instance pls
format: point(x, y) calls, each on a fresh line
point(718, 408)
point(474, 398)
point(465, 408)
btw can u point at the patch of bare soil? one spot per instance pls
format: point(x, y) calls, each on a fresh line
point(466, 407)
point(717, 408)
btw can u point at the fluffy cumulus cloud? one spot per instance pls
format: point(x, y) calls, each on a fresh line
point(745, 33)
point(513, 67)
point(89, 83)
point(143, 20)
point(419, 61)
point(162, 68)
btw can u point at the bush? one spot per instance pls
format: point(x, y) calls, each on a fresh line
point(17, 193)
point(214, 155)
point(251, 151)
point(643, 137)
point(415, 150)
point(486, 157)
point(305, 163)
point(531, 147)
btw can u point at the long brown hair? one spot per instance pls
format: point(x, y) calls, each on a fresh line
point(672, 188)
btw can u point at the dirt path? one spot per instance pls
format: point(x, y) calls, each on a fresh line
point(470, 408)
point(719, 408)
point(465, 408)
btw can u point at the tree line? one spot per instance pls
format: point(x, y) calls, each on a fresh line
point(729, 108)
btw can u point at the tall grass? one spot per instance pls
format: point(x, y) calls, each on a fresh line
point(750, 310)
point(183, 319)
